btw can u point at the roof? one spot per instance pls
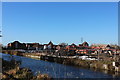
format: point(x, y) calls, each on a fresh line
point(50, 43)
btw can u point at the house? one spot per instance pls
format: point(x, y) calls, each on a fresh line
point(16, 45)
point(81, 51)
point(41, 47)
point(25, 46)
point(71, 47)
point(48, 46)
point(85, 44)
point(32, 46)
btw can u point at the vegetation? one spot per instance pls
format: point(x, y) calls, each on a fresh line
point(96, 65)
point(12, 52)
point(12, 71)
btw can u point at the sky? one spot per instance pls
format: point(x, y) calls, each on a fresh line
point(95, 22)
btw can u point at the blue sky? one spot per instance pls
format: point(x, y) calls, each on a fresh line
point(96, 22)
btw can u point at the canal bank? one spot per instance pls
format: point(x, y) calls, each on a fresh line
point(59, 70)
point(12, 71)
point(99, 65)
point(92, 64)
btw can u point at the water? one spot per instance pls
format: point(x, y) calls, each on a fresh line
point(56, 70)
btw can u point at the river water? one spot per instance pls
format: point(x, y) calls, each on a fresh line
point(56, 70)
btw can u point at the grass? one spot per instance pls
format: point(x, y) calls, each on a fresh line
point(12, 71)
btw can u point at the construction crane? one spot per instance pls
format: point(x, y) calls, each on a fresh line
point(0, 34)
point(81, 39)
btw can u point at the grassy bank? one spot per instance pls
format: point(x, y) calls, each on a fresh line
point(12, 52)
point(12, 71)
point(94, 64)
point(105, 64)
point(88, 63)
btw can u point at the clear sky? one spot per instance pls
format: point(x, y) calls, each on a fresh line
point(96, 22)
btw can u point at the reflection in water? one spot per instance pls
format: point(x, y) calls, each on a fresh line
point(105, 71)
point(56, 70)
point(115, 74)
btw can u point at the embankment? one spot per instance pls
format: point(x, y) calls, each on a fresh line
point(12, 71)
point(94, 64)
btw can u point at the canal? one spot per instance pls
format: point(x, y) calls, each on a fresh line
point(56, 70)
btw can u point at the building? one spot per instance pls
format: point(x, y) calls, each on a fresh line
point(85, 44)
point(71, 47)
point(58, 47)
point(16, 45)
point(25, 46)
point(32, 46)
point(49, 46)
